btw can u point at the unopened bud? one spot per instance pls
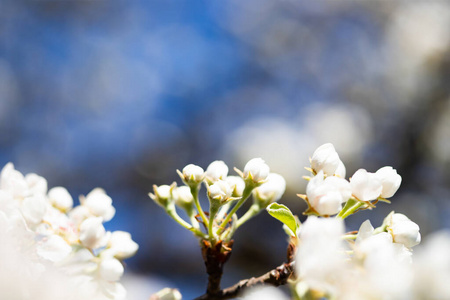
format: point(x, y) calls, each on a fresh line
point(256, 170)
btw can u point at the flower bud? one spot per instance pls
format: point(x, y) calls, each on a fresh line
point(270, 191)
point(53, 248)
point(166, 294)
point(326, 196)
point(365, 185)
point(192, 175)
point(110, 269)
point(60, 198)
point(237, 184)
point(183, 197)
point(220, 191)
point(163, 195)
point(403, 230)
point(92, 232)
point(34, 208)
point(36, 184)
point(390, 181)
point(99, 204)
point(325, 159)
point(340, 171)
point(121, 245)
point(217, 170)
point(256, 170)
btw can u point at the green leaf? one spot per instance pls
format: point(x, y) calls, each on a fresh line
point(284, 215)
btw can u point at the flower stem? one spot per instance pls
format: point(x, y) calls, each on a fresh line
point(172, 212)
point(245, 194)
point(251, 212)
point(194, 192)
point(350, 208)
point(212, 213)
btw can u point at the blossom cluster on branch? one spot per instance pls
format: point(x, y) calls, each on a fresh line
point(324, 260)
point(45, 229)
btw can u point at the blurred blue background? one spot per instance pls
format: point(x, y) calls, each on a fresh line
point(120, 94)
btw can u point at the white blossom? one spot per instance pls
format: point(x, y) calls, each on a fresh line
point(403, 230)
point(365, 186)
point(237, 184)
point(390, 181)
point(110, 269)
point(99, 204)
point(340, 171)
point(271, 190)
point(320, 258)
point(264, 293)
point(92, 232)
point(220, 191)
point(326, 195)
point(13, 181)
point(53, 248)
point(34, 208)
point(36, 184)
point(217, 170)
point(257, 170)
point(326, 159)
point(60, 198)
point(193, 174)
point(183, 197)
point(120, 245)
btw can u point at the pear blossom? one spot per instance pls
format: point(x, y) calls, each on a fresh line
point(183, 197)
point(237, 184)
point(36, 184)
point(326, 159)
point(99, 204)
point(220, 191)
point(257, 170)
point(166, 294)
point(217, 170)
point(92, 232)
point(78, 214)
point(264, 293)
point(53, 248)
point(432, 267)
point(390, 181)
point(403, 230)
point(271, 190)
point(340, 171)
point(366, 186)
point(192, 174)
point(110, 269)
point(162, 194)
point(13, 181)
point(34, 208)
point(120, 245)
point(320, 258)
point(48, 232)
point(326, 195)
point(60, 198)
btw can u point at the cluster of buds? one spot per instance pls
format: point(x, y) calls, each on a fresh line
point(72, 238)
point(329, 193)
point(225, 193)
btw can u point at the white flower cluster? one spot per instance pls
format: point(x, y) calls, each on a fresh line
point(222, 191)
point(376, 264)
point(328, 190)
point(57, 234)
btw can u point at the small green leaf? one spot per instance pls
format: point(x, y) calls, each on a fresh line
point(284, 215)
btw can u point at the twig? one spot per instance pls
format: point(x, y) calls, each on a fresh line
point(276, 277)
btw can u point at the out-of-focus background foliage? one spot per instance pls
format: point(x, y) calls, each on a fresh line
point(120, 94)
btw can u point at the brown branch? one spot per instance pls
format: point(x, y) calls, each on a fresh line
point(215, 256)
point(276, 277)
